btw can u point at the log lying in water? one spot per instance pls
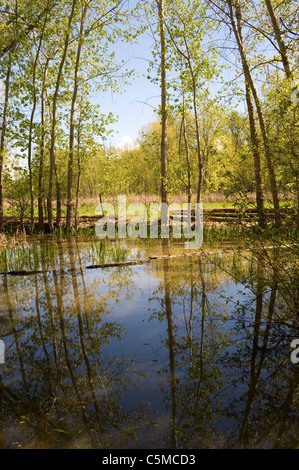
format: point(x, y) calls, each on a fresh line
point(151, 257)
point(193, 253)
point(22, 273)
point(112, 265)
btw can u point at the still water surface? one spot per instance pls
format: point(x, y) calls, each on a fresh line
point(185, 352)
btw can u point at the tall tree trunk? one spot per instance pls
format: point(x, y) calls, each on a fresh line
point(30, 161)
point(72, 120)
point(198, 146)
point(237, 28)
point(31, 123)
point(164, 188)
point(78, 181)
point(256, 159)
point(58, 196)
point(278, 37)
point(187, 151)
point(187, 57)
point(53, 166)
point(42, 151)
point(196, 117)
point(3, 134)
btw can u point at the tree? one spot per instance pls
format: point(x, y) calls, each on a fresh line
point(72, 116)
point(235, 16)
point(188, 59)
point(164, 182)
point(18, 20)
point(92, 45)
point(4, 129)
point(279, 39)
point(34, 104)
point(53, 127)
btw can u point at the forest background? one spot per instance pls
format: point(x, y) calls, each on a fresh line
point(224, 127)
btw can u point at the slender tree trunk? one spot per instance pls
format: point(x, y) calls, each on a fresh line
point(198, 146)
point(58, 196)
point(270, 166)
point(237, 28)
point(53, 166)
point(164, 189)
point(187, 151)
point(72, 121)
point(280, 41)
point(31, 124)
point(187, 57)
point(3, 134)
point(78, 182)
point(256, 159)
point(42, 151)
point(196, 117)
point(30, 163)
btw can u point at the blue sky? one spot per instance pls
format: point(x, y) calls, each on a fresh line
point(135, 105)
point(131, 105)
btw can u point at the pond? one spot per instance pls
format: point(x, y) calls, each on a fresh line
point(175, 352)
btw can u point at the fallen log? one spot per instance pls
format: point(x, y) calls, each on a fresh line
point(138, 262)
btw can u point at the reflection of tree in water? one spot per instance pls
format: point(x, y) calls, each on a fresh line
point(266, 414)
point(228, 387)
point(63, 390)
point(192, 342)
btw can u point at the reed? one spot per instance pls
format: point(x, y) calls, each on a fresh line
point(119, 253)
point(98, 253)
point(27, 257)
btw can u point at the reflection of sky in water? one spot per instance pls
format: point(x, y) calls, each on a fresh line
point(216, 362)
